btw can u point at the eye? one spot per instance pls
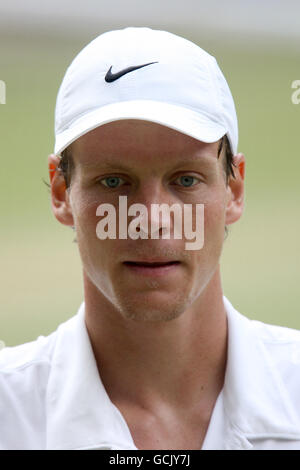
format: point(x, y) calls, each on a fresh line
point(187, 180)
point(111, 181)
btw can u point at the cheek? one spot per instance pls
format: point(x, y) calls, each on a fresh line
point(214, 216)
point(214, 225)
point(95, 254)
point(207, 259)
point(84, 213)
point(84, 209)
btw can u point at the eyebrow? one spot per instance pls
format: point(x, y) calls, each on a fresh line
point(203, 160)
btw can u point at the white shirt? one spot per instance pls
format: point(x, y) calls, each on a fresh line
point(51, 395)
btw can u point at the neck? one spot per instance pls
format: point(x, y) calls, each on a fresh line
point(178, 362)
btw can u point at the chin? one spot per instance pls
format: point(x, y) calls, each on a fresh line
point(149, 310)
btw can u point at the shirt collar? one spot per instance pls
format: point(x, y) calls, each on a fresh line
point(256, 400)
point(80, 414)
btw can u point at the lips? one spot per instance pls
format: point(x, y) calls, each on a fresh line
point(156, 269)
point(150, 264)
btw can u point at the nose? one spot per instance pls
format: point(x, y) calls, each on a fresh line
point(153, 202)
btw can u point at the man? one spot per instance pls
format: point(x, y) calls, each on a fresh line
point(156, 357)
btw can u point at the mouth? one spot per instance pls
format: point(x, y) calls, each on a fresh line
point(157, 268)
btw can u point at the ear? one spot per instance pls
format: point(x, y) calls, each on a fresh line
point(60, 199)
point(235, 203)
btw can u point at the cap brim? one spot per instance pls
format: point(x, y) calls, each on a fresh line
point(184, 120)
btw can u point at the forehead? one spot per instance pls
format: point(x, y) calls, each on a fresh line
point(139, 142)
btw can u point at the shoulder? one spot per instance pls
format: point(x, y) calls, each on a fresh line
point(279, 351)
point(13, 358)
point(277, 347)
point(24, 373)
point(282, 342)
point(283, 345)
point(274, 333)
point(38, 353)
point(270, 335)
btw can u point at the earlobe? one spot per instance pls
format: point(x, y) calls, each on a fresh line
point(235, 205)
point(60, 200)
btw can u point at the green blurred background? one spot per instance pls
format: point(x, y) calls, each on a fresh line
point(41, 280)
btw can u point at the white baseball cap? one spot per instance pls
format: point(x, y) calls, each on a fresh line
point(141, 73)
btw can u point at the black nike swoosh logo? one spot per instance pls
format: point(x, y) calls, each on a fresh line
point(111, 77)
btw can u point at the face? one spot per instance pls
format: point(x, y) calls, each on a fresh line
point(149, 164)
